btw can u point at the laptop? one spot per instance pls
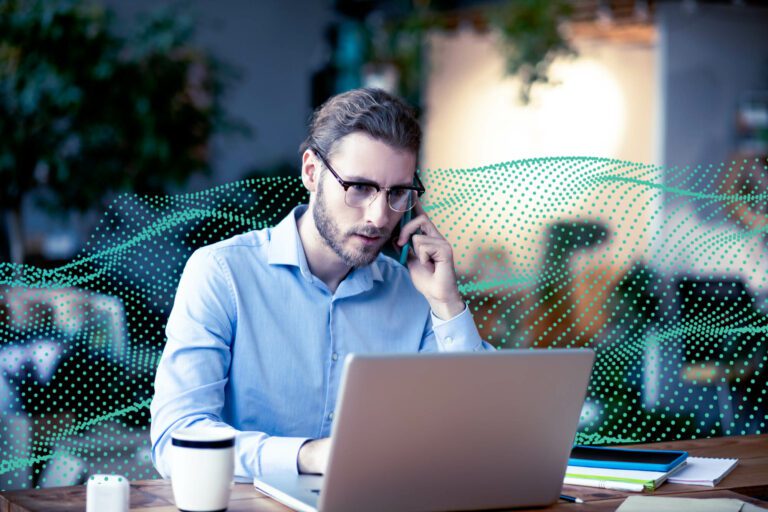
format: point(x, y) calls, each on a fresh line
point(458, 431)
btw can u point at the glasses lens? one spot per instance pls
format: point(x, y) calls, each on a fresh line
point(402, 199)
point(360, 195)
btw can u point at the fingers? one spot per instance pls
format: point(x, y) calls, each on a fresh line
point(421, 254)
point(419, 225)
point(429, 249)
point(409, 230)
point(421, 214)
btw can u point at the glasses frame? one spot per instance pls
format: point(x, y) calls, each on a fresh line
point(418, 188)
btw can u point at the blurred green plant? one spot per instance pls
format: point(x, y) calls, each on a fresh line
point(86, 112)
point(531, 38)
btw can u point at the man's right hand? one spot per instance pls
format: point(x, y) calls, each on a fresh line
point(313, 456)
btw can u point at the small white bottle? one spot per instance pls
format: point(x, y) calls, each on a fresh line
point(107, 493)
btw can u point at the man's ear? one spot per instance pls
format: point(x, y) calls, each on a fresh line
point(310, 171)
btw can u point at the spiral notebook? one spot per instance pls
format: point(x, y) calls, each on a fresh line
point(703, 471)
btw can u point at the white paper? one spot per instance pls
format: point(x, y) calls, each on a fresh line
point(659, 504)
point(703, 471)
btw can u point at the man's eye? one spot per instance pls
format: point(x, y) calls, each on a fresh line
point(398, 193)
point(362, 189)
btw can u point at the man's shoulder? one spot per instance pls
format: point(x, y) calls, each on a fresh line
point(250, 243)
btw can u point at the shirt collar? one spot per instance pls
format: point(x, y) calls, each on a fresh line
point(285, 248)
point(284, 243)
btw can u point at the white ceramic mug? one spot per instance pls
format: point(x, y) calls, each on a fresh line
point(202, 468)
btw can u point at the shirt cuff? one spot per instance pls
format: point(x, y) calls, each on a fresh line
point(457, 334)
point(281, 454)
point(436, 320)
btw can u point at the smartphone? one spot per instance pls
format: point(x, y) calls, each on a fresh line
point(404, 251)
point(402, 256)
point(626, 458)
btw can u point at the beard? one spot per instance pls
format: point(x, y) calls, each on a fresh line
point(331, 234)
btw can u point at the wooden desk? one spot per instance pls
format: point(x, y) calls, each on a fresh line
point(749, 481)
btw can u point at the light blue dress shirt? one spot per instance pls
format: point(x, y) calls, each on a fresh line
point(256, 344)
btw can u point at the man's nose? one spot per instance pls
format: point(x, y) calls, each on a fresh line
point(378, 211)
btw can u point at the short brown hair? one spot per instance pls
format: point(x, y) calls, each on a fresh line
point(375, 112)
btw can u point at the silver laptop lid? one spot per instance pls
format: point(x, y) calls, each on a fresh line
point(454, 431)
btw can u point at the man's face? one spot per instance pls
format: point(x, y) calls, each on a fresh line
point(357, 235)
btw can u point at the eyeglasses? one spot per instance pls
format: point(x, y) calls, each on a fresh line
point(358, 194)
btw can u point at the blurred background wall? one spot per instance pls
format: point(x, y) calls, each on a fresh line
point(603, 103)
point(714, 68)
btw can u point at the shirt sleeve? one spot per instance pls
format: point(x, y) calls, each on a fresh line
point(193, 373)
point(457, 334)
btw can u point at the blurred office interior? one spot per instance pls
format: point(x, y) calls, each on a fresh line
point(670, 83)
point(679, 88)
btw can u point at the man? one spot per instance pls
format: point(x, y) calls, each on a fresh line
point(261, 322)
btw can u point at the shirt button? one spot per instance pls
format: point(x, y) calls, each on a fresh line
point(448, 340)
point(335, 356)
point(330, 416)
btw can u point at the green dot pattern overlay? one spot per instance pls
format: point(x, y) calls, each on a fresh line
point(662, 271)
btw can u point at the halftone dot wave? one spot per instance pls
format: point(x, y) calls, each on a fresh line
point(662, 271)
